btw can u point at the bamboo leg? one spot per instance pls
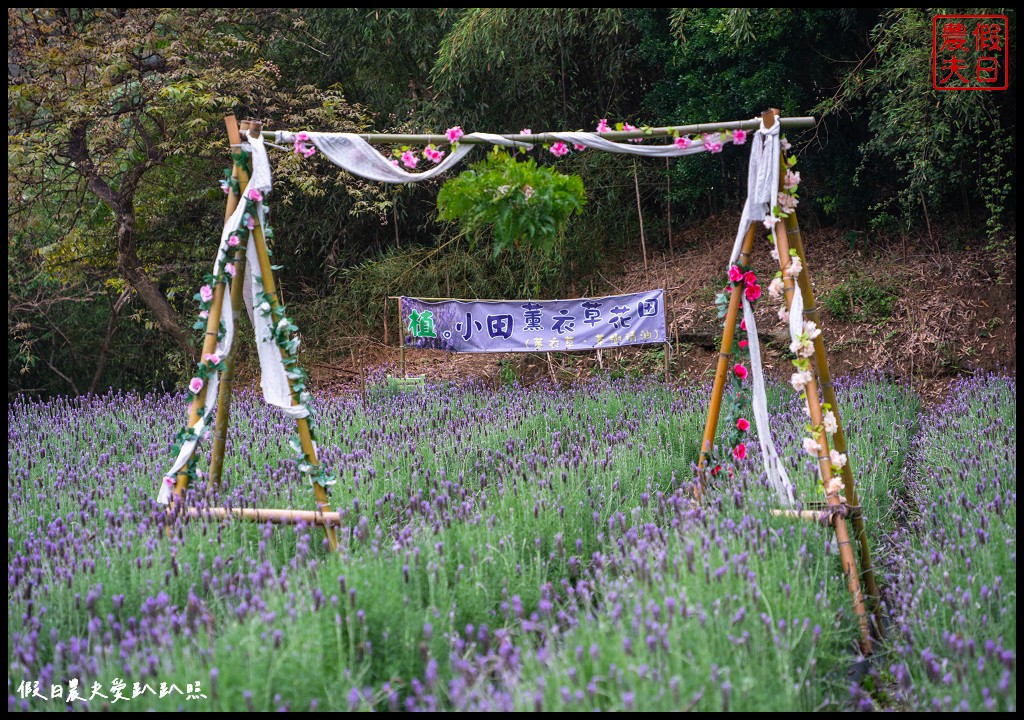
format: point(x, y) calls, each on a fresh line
point(401, 337)
point(270, 288)
point(724, 355)
point(227, 380)
point(825, 464)
point(838, 438)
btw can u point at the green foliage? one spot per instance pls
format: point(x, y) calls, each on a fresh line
point(509, 68)
point(942, 147)
point(518, 203)
point(861, 300)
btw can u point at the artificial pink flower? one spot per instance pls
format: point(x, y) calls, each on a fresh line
point(233, 241)
point(250, 222)
point(579, 148)
point(602, 126)
point(784, 143)
point(301, 148)
point(743, 424)
point(735, 274)
point(212, 358)
point(739, 137)
point(792, 180)
point(740, 451)
point(393, 162)
point(787, 203)
point(454, 133)
point(432, 154)
point(753, 292)
point(712, 142)
point(769, 221)
point(195, 385)
point(750, 278)
point(628, 127)
point(255, 195)
point(168, 480)
point(740, 370)
point(743, 343)
point(682, 142)
point(203, 314)
point(409, 160)
point(526, 131)
point(743, 324)
point(229, 268)
point(206, 293)
point(559, 149)
point(225, 186)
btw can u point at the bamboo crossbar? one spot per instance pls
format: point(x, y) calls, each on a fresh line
point(546, 137)
point(278, 517)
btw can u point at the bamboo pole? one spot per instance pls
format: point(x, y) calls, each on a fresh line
point(724, 355)
point(640, 214)
point(616, 135)
point(278, 517)
point(825, 463)
point(401, 335)
point(839, 437)
point(668, 206)
point(270, 289)
point(227, 380)
point(668, 345)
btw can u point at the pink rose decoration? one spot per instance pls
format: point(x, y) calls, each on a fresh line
point(229, 268)
point(741, 371)
point(743, 424)
point(739, 137)
point(195, 385)
point(681, 142)
point(602, 126)
point(743, 324)
point(409, 160)
point(735, 274)
point(233, 241)
point(204, 314)
point(559, 149)
point(750, 278)
point(743, 343)
point(255, 195)
point(213, 359)
point(579, 148)
point(454, 133)
point(753, 292)
point(206, 293)
point(740, 451)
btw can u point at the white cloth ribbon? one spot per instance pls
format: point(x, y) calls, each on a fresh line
point(355, 155)
point(762, 187)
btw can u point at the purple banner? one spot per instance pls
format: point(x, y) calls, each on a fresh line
point(491, 326)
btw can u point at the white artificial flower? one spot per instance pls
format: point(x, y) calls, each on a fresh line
point(775, 288)
point(834, 486)
point(830, 423)
point(811, 330)
point(811, 446)
point(838, 459)
point(800, 379)
point(784, 314)
point(794, 267)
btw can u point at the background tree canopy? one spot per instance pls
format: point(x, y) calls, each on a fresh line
point(115, 144)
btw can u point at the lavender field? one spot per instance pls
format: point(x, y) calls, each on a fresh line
point(527, 548)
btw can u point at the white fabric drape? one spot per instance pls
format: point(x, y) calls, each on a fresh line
point(355, 155)
point(762, 187)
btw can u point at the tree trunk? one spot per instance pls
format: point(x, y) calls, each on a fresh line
point(108, 339)
point(131, 269)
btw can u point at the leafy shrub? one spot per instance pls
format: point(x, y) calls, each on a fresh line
point(861, 300)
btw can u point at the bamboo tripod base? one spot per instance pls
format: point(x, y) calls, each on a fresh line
point(264, 515)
